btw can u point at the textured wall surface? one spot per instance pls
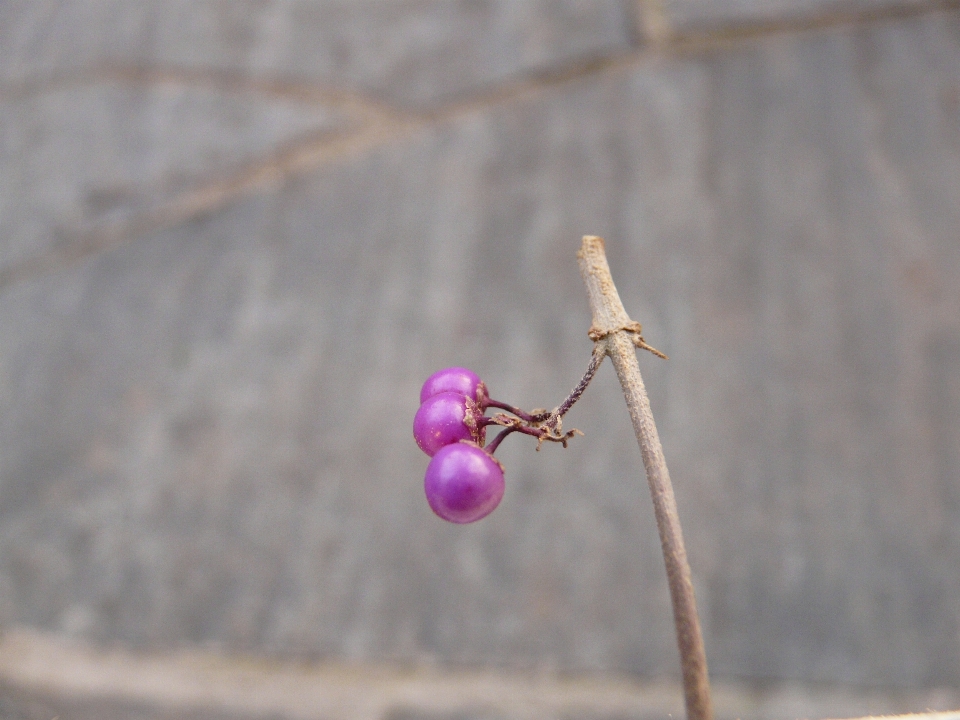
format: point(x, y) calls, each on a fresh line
point(235, 237)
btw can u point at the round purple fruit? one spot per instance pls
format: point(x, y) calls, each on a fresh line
point(455, 379)
point(463, 483)
point(443, 419)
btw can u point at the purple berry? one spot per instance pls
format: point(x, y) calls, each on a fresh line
point(455, 379)
point(443, 419)
point(463, 483)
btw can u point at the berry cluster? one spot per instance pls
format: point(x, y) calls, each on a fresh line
point(464, 482)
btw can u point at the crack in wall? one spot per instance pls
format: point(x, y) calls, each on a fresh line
point(210, 197)
point(381, 122)
point(218, 80)
point(720, 35)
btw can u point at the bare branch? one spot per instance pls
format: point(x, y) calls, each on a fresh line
point(617, 334)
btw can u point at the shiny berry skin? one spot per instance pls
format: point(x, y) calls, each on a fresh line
point(454, 379)
point(443, 419)
point(463, 483)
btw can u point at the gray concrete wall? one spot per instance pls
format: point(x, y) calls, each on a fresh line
point(235, 237)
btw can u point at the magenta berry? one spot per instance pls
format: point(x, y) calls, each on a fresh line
point(455, 379)
point(443, 419)
point(463, 483)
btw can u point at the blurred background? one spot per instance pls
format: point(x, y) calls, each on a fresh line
point(237, 235)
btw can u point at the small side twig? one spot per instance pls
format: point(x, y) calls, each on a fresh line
point(617, 334)
point(553, 419)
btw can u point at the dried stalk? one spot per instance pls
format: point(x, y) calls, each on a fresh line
point(613, 327)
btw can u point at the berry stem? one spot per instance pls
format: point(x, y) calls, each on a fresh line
point(550, 418)
point(542, 425)
point(599, 353)
point(495, 443)
point(614, 333)
point(541, 433)
point(525, 416)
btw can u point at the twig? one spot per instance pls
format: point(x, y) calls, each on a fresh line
point(615, 331)
point(553, 419)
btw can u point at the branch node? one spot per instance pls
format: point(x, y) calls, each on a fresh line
point(636, 335)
